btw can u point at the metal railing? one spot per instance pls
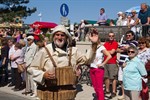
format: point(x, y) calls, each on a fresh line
point(118, 30)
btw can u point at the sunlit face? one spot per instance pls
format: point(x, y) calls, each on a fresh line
point(111, 36)
point(142, 45)
point(133, 13)
point(131, 53)
point(129, 17)
point(143, 6)
point(16, 48)
point(129, 36)
point(60, 39)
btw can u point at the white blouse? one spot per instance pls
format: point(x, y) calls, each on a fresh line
point(144, 55)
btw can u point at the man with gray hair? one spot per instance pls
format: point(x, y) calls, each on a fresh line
point(144, 17)
point(59, 53)
point(29, 55)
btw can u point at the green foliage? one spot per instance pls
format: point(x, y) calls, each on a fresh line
point(13, 9)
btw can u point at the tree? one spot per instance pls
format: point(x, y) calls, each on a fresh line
point(14, 10)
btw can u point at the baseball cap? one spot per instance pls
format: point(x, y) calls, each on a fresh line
point(120, 12)
point(30, 37)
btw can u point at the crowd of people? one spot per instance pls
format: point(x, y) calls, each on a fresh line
point(134, 20)
point(129, 68)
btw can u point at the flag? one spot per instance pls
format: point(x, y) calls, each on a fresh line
point(40, 14)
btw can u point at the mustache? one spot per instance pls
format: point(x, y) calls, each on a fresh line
point(59, 43)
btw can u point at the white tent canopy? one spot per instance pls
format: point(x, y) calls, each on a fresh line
point(136, 8)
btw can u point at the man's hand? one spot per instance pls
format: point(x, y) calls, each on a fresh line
point(3, 63)
point(48, 75)
point(127, 46)
point(124, 64)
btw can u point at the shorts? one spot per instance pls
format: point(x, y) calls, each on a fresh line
point(111, 71)
point(120, 74)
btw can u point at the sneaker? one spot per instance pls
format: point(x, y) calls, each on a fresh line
point(33, 95)
point(17, 89)
point(107, 92)
point(113, 95)
point(121, 97)
point(10, 85)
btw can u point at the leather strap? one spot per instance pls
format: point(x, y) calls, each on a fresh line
point(70, 56)
point(50, 56)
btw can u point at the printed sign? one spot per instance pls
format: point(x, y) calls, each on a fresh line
point(64, 10)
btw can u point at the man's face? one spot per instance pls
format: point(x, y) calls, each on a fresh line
point(143, 6)
point(60, 39)
point(30, 41)
point(129, 36)
point(101, 12)
point(111, 36)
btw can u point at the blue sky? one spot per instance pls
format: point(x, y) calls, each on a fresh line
point(79, 9)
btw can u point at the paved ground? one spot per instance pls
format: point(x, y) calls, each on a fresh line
point(7, 96)
point(85, 93)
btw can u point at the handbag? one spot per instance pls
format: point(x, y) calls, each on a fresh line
point(21, 67)
point(144, 92)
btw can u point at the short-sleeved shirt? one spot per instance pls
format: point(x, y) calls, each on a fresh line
point(102, 17)
point(132, 74)
point(144, 15)
point(124, 55)
point(99, 57)
point(36, 34)
point(109, 46)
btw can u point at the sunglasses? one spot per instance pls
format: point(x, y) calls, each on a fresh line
point(141, 42)
point(111, 35)
point(28, 39)
point(131, 51)
point(128, 35)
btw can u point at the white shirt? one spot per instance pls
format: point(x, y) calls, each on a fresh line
point(99, 57)
point(11, 52)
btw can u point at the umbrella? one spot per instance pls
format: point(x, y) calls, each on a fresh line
point(43, 24)
point(136, 8)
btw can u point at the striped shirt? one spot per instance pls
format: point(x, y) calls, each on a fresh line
point(124, 55)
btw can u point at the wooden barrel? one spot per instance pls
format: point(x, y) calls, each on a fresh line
point(57, 95)
point(64, 76)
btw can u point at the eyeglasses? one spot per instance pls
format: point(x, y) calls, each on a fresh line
point(131, 51)
point(62, 35)
point(141, 42)
point(111, 35)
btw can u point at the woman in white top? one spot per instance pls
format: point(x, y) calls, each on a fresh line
point(97, 66)
point(144, 53)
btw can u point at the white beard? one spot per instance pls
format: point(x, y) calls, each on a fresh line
point(59, 44)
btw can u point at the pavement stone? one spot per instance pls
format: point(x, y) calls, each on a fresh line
point(84, 92)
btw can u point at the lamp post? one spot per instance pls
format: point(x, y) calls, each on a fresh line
point(40, 15)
